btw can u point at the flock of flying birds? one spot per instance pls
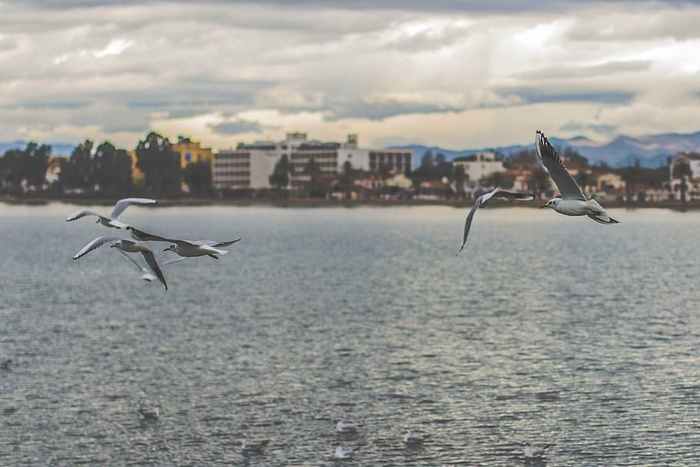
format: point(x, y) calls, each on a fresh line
point(572, 202)
point(184, 249)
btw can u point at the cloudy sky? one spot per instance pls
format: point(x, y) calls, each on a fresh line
point(452, 73)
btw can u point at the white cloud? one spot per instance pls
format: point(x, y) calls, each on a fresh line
point(222, 72)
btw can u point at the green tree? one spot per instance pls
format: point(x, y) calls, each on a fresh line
point(681, 170)
point(316, 186)
point(279, 178)
point(26, 168)
point(159, 163)
point(443, 168)
point(538, 182)
point(346, 179)
point(197, 176)
point(459, 178)
point(631, 175)
point(112, 170)
point(585, 179)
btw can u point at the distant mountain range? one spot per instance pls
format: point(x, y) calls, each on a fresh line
point(652, 151)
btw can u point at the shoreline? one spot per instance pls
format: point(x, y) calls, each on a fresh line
point(315, 203)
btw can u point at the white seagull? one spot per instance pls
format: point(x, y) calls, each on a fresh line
point(346, 427)
point(247, 445)
point(186, 248)
point(414, 438)
point(149, 413)
point(533, 452)
point(572, 201)
point(112, 219)
point(146, 273)
point(482, 200)
point(129, 246)
point(344, 452)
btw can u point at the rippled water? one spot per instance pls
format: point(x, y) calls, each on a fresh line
point(549, 329)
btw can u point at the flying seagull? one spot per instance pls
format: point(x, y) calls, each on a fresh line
point(572, 201)
point(482, 200)
point(146, 273)
point(112, 219)
point(187, 248)
point(534, 452)
point(129, 246)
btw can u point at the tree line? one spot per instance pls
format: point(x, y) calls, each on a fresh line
point(106, 171)
point(103, 171)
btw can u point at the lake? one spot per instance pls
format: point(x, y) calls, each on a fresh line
point(547, 329)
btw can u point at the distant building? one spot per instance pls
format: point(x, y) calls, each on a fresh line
point(136, 175)
point(191, 152)
point(479, 165)
point(251, 164)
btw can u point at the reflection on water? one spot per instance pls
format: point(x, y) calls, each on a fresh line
point(549, 329)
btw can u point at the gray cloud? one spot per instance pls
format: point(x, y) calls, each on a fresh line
point(118, 66)
point(236, 128)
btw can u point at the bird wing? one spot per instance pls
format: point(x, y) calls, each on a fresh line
point(153, 264)
point(568, 187)
point(122, 204)
point(82, 213)
point(147, 236)
point(513, 195)
point(96, 243)
point(216, 244)
point(468, 222)
point(135, 263)
point(179, 259)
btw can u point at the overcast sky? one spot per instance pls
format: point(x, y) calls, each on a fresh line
point(456, 74)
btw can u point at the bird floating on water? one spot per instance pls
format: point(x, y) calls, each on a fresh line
point(112, 220)
point(482, 200)
point(342, 426)
point(534, 452)
point(572, 201)
point(151, 413)
point(414, 438)
point(344, 452)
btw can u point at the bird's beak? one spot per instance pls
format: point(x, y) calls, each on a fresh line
point(545, 206)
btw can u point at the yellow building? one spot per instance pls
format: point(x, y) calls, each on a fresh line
point(136, 174)
point(191, 151)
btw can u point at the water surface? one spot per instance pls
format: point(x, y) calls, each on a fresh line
point(549, 329)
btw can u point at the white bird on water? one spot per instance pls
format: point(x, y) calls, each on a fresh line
point(534, 452)
point(414, 438)
point(482, 200)
point(344, 452)
point(111, 220)
point(149, 413)
point(186, 248)
point(346, 427)
point(129, 246)
point(572, 201)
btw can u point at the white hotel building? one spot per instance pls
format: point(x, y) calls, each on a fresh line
point(250, 165)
